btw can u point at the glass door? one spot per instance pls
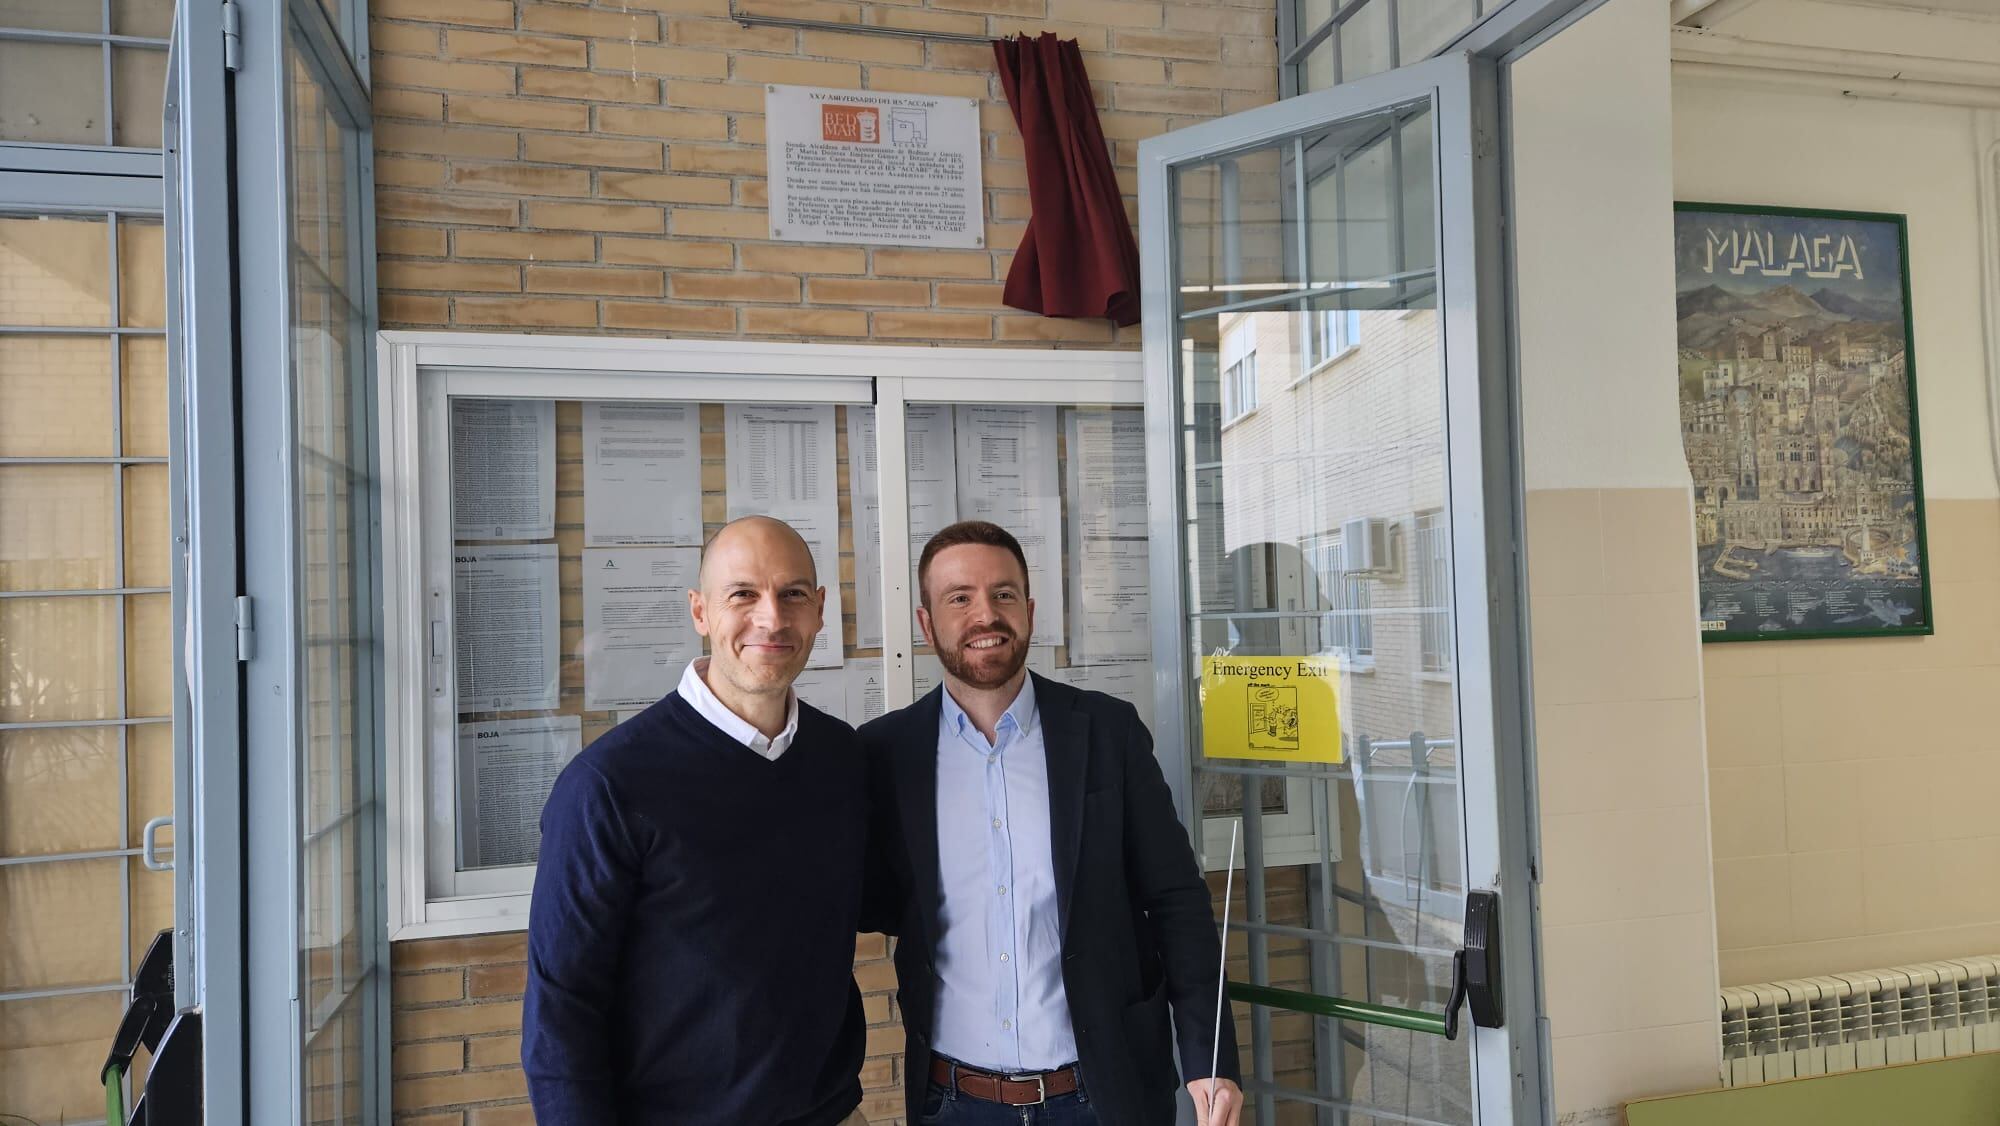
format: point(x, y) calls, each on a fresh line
point(1313, 359)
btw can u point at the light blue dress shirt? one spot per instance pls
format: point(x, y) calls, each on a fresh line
point(1001, 1004)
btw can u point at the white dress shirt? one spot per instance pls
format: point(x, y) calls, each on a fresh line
point(694, 689)
point(1001, 1004)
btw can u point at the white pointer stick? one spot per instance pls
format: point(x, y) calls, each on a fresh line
point(1222, 971)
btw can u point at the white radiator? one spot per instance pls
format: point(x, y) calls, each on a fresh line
point(1870, 1018)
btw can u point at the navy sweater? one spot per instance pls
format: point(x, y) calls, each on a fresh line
point(691, 942)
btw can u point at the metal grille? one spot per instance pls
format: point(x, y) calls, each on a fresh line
point(1866, 1018)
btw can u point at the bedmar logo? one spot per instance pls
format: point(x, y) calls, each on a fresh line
point(856, 124)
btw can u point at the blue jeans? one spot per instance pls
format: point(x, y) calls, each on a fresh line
point(946, 1107)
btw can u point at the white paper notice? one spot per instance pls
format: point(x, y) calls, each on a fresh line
point(849, 166)
point(1110, 586)
point(930, 460)
point(505, 772)
point(1107, 473)
point(641, 474)
point(637, 633)
point(825, 689)
point(507, 619)
point(866, 697)
point(1111, 601)
point(926, 673)
point(1130, 681)
point(1007, 474)
point(782, 464)
point(503, 469)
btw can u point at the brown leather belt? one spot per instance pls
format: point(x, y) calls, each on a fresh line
point(1025, 1089)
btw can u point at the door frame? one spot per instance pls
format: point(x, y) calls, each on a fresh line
point(1466, 86)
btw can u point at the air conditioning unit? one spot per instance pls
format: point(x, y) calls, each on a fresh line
point(1365, 545)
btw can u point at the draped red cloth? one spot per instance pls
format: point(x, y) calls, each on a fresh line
point(1077, 257)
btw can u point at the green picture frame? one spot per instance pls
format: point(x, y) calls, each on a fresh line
point(1797, 378)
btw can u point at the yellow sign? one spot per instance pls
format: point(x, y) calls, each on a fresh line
point(1283, 708)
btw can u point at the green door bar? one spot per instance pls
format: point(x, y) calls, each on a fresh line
point(1363, 1012)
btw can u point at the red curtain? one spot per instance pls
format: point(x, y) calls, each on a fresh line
point(1077, 258)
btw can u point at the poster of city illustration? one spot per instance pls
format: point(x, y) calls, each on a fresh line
point(1799, 418)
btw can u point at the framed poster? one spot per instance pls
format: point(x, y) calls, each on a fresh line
point(1798, 402)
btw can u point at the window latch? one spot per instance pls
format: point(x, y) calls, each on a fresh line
point(1475, 968)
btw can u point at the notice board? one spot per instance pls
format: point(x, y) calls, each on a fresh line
point(857, 167)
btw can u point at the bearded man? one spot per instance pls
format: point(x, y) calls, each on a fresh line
point(1056, 943)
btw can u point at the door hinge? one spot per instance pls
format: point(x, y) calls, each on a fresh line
point(246, 629)
point(232, 36)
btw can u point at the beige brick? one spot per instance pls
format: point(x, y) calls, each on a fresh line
point(663, 189)
point(674, 253)
point(934, 263)
point(415, 242)
point(721, 224)
point(755, 194)
point(592, 22)
point(1027, 9)
point(875, 1009)
point(409, 309)
point(596, 151)
point(797, 72)
point(780, 258)
point(1121, 68)
point(479, 13)
point(659, 316)
point(428, 1058)
point(520, 113)
point(1238, 101)
point(884, 1041)
point(867, 291)
point(1034, 329)
point(933, 326)
point(863, 48)
point(402, 38)
point(590, 86)
point(408, 172)
point(1089, 37)
point(960, 295)
point(446, 1118)
point(427, 988)
point(572, 279)
point(415, 105)
point(1005, 174)
point(731, 36)
point(717, 9)
point(1147, 99)
point(683, 157)
point(526, 312)
point(438, 1023)
point(1010, 205)
point(898, 81)
point(662, 123)
point(494, 1051)
point(1167, 44)
point(735, 287)
point(514, 47)
point(961, 56)
point(824, 11)
point(1219, 76)
point(1240, 50)
point(622, 218)
point(664, 62)
point(715, 95)
point(449, 277)
point(521, 179)
point(517, 1115)
point(437, 74)
point(1259, 22)
point(512, 980)
point(1131, 126)
point(526, 246)
point(805, 322)
point(749, 129)
point(464, 1087)
point(871, 947)
point(446, 209)
point(924, 19)
point(1110, 13)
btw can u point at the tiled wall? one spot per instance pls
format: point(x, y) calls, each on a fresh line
point(1855, 782)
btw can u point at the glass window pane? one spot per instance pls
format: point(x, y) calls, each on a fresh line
point(52, 93)
point(148, 530)
point(62, 924)
point(1422, 26)
point(319, 933)
point(57, 528)
point(144, 377)
point(1364, 43)
point(58, 658)
point(142, 273)
point(50, 1052)
point(139, 94)
point(150, 778)
point(152, 904)
point(52, 15)
point(55, 396)
point(149, 643)
point(52, 271)
point(57, 791)
point(1318, 70)
point(150, 18)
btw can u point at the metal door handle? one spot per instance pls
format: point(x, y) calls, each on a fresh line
point(1475, 969)
point(149, 846)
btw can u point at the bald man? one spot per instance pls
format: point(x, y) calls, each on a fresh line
point(691, 939)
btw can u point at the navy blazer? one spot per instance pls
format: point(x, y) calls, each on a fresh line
point(1140, 944)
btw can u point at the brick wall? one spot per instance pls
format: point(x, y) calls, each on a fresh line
point(599, 168)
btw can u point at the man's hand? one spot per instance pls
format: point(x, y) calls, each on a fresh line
point(1228, 1107)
